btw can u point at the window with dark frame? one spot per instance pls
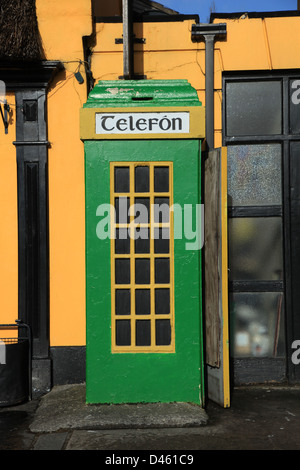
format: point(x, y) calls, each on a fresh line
point(254, 134)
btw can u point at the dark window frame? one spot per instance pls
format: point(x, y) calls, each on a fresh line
point(255, 80)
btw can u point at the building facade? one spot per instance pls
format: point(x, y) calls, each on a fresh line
point(255, 103)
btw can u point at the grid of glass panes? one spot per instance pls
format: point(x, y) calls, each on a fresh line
point(142, 257)
point(255, 224)
point(255, 250)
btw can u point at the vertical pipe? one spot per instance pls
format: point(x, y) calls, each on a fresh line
point(127, 40)
point(209, 89)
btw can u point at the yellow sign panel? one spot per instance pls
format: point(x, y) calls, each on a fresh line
point(142, 123)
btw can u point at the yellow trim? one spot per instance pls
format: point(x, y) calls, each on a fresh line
point(88, 120)
point(225, 322)
point(153, 348)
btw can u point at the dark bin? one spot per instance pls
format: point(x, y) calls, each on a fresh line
point(15, 373)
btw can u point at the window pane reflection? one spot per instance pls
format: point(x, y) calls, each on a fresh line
point(253, 108)
point(255, 249)
point(254, 175)
point(257, 324)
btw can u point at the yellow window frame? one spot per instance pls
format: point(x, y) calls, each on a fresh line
point(153, 348)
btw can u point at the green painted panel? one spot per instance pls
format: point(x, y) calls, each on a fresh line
point(143, 377)
point(143, 93)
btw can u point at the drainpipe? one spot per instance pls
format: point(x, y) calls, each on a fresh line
point(128, 66)
point(209, 32)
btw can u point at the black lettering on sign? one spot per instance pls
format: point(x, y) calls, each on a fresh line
point(142, 123)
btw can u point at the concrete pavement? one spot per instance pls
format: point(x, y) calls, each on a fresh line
point(65, 408)
point(260, 418)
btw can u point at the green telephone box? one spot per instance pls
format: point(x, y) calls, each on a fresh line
point(142, 142)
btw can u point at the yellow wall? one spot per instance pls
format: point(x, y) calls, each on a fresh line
point(9, 219)
point(169, 53)
point(62, 25)
point(251, 44)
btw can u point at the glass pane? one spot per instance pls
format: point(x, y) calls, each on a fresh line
point(162, 271)
point(254, 175)
point(142, 240)
point(294, 106)
point(162, 301)
point(163, 332)
point(142, 210)
point(122, 271)
point(253, 108)
point(122, 242)
point(161, 240)
point(123, 333)
point(122, 205)
point(121, 179)
point(257, 323)
point(142, 271)
point(122, 302)
point(143, 333)
point(161, 209)
point(255, 249)
point(161, 179)
point(142, 301)
point(142, 179)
